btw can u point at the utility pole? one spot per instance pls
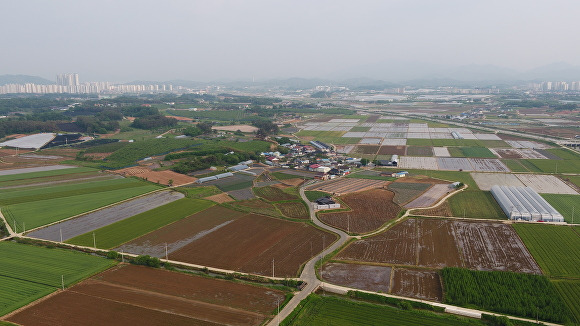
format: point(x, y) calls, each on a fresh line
point(94, 240)
point(573, 214)
point(60, 234)
point(273, 267)
point(166, 255)
point(62, 281)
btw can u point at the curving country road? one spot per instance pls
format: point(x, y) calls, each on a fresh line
point(309, 273)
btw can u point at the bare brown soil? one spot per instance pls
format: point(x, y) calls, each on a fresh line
point(418, 284)
point(134, 295)
point(162, 177)
point(292, 182)
point(251, 242)
point(181, 233)
point(347, 185)
point(437, 243)
point(369, 211)
point(220, 198)
point(390, 150)
point(373, 118)
point(396, 246)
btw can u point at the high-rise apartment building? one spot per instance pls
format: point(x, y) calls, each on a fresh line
point(67, 79)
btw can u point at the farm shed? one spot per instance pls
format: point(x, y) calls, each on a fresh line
point(214, 177)
point(321, 146)
point(523, 203)
point(325, 203)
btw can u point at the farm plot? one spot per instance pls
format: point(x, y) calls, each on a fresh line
point(166, 177)
point(346, 185)
point(220, 198)
point(181, 233)
point(31, 272)
point(363, 277)
point(526, 144)
point(42, 176)
point(406, 191)
point(366, 149)
point(242, 194)
point(414, 283)
point(236, 182)
point(130, 295)
point(441, 152)
point(488, 165)
point(556, 248)
point(570, 292)
point(130, 228)
point(507, 152)
point(421, 163)
point(487, 180)
point(329, 310)
point(92, 221)
point(487, 137)
point(396, 246)
point(438, 243)
point(565, 205)
point(369, 211)
point(454, 164)
point(546, 184)
point(430, 197)
point(34, 214)
point(273, 194)
point(394, 142)
point(370, 141)
point(294, 209)
point(419, 151)
point(477, 152)
point(257, 206)
point(390, 150)
point(475, 204)
point(35, 169)
point(252, 251)
point(528, 153)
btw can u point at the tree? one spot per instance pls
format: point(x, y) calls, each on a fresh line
point(364, 161)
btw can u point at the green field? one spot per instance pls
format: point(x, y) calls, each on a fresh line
point(419, 142)
point(564, 153)
point(285, 176)
point(359, 129)
point(570, 292)
point(30, 215)
point(318, 310)
point(33, 175)
point(475, 204)
point(522, 295)
point(128, 155)
point(22, 195)
point(555, 248)
point(553, 166)
point(273, 194)
point(116, 234)
point(514, 165)
point(314, 195)
point(199, 192)
point(30, 272)
point(575, 179)
point(566, 205)
point(477, 152)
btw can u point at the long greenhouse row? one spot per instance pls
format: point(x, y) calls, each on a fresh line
point(523, 203)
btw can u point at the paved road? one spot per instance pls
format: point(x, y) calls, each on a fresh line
point(309, 273)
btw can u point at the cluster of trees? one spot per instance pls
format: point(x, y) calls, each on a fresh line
point(201, 128)
point(197, 163)
point(265, 128)
point(566, 107)
point(153, 122)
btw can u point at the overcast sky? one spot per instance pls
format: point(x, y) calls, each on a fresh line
point(124, 40)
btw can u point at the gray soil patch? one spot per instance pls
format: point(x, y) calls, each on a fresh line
point(36, 169)
point(242, 194)
point(92, 221)
point(364, 277)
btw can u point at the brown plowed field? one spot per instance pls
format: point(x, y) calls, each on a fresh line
point(249, 243)
point(417, 284)
point(437, 243)
point(396, 246)
point(386, 150)
point(347, 185)
point(366, 149)
point(134, 295)
point(508, 152)
point(430, 197)
point(293, 182)
point(162, 177)
point(220, 198)
point(369, 211)
point(179, 234)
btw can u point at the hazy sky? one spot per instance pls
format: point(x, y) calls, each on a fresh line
point(125, 40)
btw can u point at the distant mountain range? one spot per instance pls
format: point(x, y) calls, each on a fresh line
point(23, 79)
point(382, 75)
